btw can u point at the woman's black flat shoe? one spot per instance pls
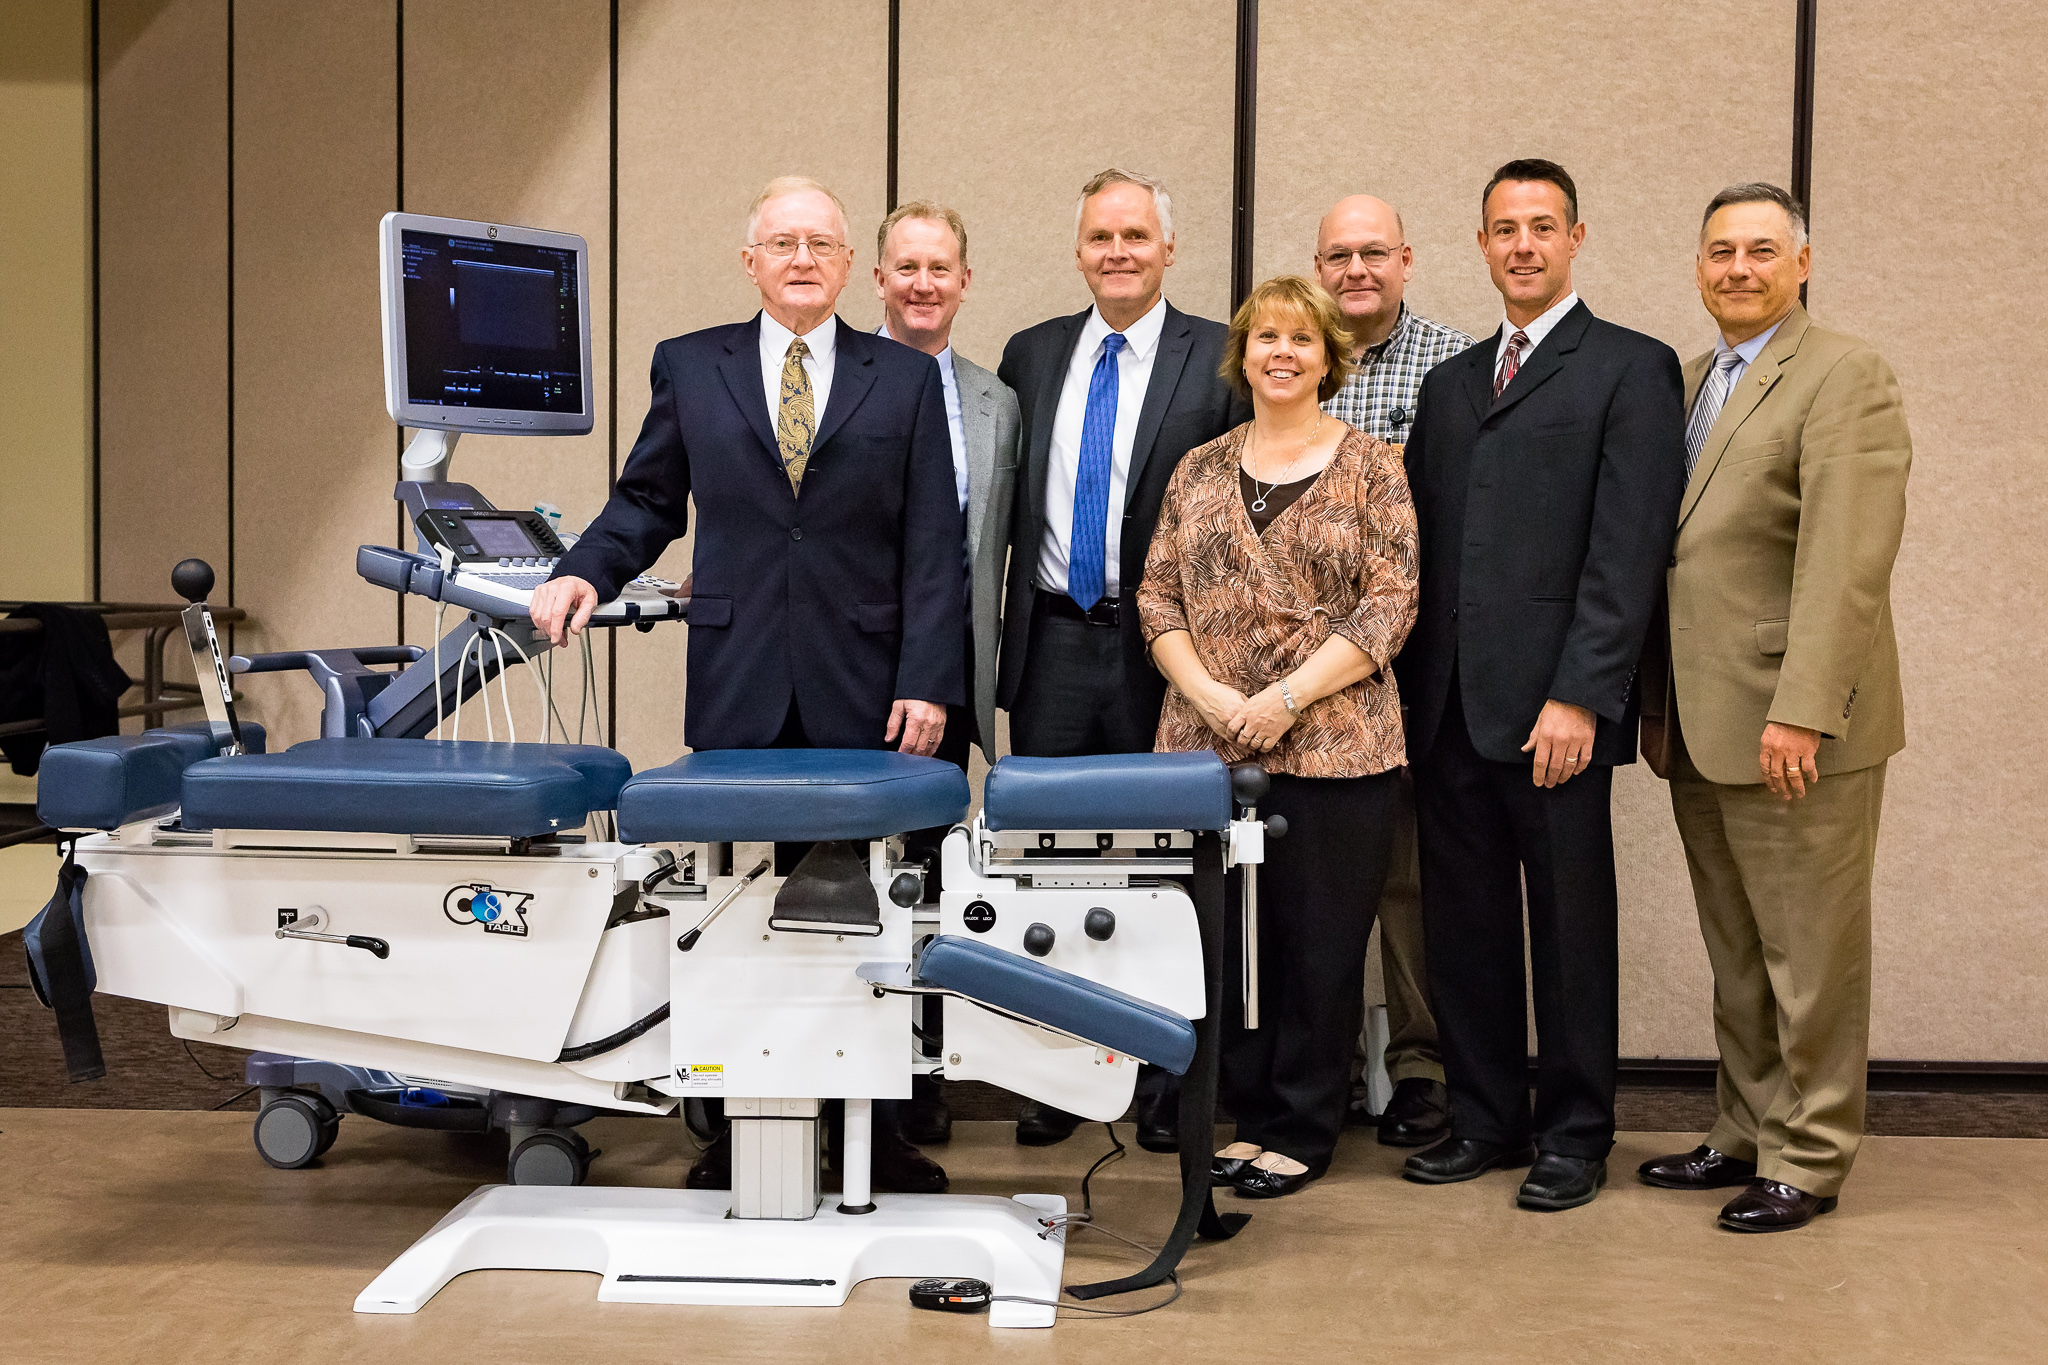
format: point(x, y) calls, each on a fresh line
point(1225, 1170)
point(1256, 1182)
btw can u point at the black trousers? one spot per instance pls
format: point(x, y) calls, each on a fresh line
point(1288, 1082)
point(1074, 701)
point(1487, 832)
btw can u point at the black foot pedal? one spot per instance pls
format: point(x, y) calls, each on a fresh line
point(828, 893)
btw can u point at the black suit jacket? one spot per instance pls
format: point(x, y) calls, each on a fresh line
point(1546, 521)
point(1186, 405)
point(847, 597)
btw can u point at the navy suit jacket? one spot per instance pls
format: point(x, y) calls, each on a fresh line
point(1546, 518)
point(846, 597)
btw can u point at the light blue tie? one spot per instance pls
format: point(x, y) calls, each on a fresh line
point(1088, 541)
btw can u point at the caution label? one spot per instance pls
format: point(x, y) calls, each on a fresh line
point(703, 1077)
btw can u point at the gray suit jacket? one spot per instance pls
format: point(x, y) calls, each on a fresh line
point(990, 420)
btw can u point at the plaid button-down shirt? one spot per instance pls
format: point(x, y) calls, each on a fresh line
point(1379, 397)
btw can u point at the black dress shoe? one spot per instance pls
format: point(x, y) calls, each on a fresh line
point(712, 1169)
point(1418, 1114)
point(1159, 1123)
point(1702, 1168)
point(1459, 1158)
point(925, 1118)
point(1041, 1125)
point(900, 1168)
point(1256, 1182)
point(1771, 1206)
point(1561, 1182)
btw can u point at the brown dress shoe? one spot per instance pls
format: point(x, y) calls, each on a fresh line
point(1702, 1168)
point(1769, 1206)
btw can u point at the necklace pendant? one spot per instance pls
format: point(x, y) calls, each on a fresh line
point(1259, 506)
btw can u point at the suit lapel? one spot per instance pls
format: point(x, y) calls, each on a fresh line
point(741, 370)
point(1045, 410)
point(1546, 360)
point(1755, 385)
point(1175, 338)
point(1479, 368)
point(978, 435)
point(853, 374)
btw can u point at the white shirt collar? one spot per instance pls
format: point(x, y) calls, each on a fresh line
point(1542, 326)
point(944, 357)
point(821, 339)
point(1139, 338)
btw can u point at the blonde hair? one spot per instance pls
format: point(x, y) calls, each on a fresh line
point(927, 209)
point(791, 184)
point(1102, 180)
point(1308, 301)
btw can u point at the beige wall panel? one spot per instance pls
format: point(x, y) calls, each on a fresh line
point(315, 154)
point(1005, 112)
point(507, 119)
point(163, 293)
point(46, 329)
point(1945, 149)
point(1418, 105)
point(711, 105)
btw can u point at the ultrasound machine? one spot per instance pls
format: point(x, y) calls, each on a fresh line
point(403, 925)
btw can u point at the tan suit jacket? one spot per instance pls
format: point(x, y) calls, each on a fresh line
point(1779, 588)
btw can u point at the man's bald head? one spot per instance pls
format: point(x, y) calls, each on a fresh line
point(1364, 260)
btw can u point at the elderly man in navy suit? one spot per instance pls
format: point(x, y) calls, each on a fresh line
point(828, 602)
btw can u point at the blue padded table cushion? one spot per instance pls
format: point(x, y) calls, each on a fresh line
point(103, 783)
point(756, 795)
point(392, 786)
point(1109, 791)
point(1072, 1004)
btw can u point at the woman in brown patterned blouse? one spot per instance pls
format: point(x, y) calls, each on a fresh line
point(1279, 587)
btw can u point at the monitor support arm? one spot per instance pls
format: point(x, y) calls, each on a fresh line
point(426, 459)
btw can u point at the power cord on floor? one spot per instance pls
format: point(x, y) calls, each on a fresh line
point(224, 1080)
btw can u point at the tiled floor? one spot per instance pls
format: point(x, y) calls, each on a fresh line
point(159, 1236)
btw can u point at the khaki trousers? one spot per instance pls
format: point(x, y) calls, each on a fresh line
point(1783, 890)
point(1411, 1028)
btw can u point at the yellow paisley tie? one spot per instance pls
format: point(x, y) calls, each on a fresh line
point(796, 423)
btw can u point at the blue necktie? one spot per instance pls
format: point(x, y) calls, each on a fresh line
point(1088, 541)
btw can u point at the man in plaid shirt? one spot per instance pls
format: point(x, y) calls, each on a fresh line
point(1364, 260)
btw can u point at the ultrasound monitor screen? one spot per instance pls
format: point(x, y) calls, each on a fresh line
point(500, 536)
point(491, 324)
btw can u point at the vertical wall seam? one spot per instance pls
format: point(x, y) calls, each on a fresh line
point(1244, 151)
point(895, 69)
point(611, 310)
point(1802, 113)
point(231, 314)
point(398, 204)
point(94, 61)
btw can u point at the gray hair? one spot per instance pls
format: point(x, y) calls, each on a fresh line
point(792, 184)
point(1758, 192)
point(1102, 180)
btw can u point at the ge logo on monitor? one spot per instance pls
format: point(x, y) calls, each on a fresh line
point(497, 910)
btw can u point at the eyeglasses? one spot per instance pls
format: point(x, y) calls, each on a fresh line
point(821, 248)
point(1339, 258)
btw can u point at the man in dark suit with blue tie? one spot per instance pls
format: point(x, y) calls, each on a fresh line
point(828, 604)
point(1546, 466)
point(1111, 399)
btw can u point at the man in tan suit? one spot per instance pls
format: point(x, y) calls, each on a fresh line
point(1777, 707)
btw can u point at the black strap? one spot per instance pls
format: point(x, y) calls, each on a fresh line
point(1198, 1216)
point(63, 980)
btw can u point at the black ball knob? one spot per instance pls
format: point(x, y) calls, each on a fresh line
point(1249, 783)
point(1038, 940)
point(1276, 827)
point(192, 579)
point(907, 890)
point(1099, 924)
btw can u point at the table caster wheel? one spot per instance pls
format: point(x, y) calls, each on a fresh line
point(549, 1158)
point(289, 1130)
point(330, 1123)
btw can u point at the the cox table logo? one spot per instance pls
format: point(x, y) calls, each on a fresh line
point(497, 910)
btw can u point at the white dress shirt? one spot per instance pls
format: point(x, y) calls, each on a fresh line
point(821, 341)
point(1536, 330)
point(1134, 373)
point(953, 427)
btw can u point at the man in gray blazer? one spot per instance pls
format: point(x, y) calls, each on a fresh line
point(921, 275)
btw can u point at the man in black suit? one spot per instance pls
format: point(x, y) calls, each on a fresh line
point(1547, 466)
point(1111, 400)
point(828, 601)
